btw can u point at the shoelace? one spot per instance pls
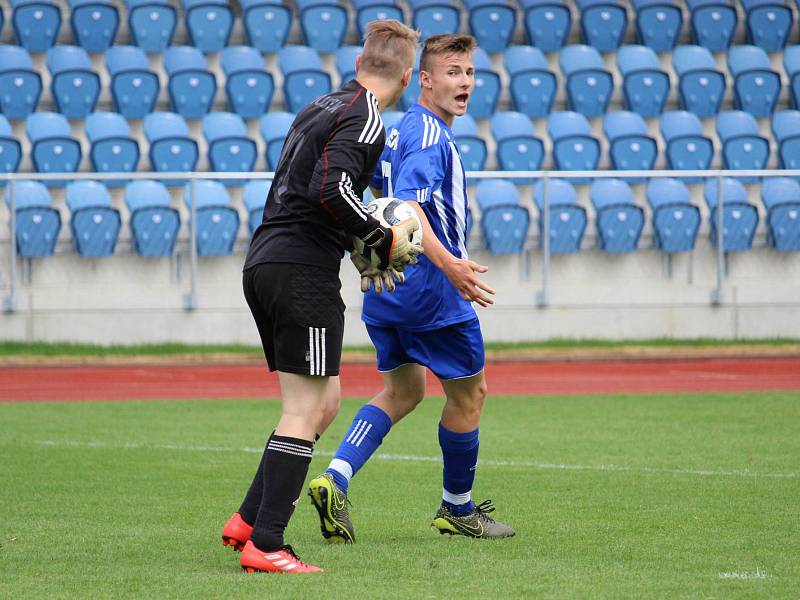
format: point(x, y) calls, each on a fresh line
point(287, 548)
point(483, 509)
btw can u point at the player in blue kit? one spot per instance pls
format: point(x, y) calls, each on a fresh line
point(429, 322)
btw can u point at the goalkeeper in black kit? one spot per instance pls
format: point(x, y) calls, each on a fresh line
point(291, 278)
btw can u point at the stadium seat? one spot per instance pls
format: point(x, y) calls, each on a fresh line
point(273, 127)
point(631, 148)
point(687, 147)
point(492, 22)
point(112, 148)
point(484, 97)
point(431, 17)
point(574, 148)
point(756, 86)
point(153, 222)
point(504, 222)
point(36, 23)
point(266, 24)
point(518, 149)
point(20, 84)
point(217, 222)
point(2, 18)
point(786, 129)
point(304, 80)
point(229, 148)
point(471, 145)
point(701, 86)
point(739, 217)
point(10, 149)
point(781, 197)
point(658, 23)
point(171, 148)
point(589, 85)
point(94, 23)
point(94, 222)
point(254, 197)
point(323, 23)
point(346, 62)
point(768, 23)
point(151, 24)
point(547, 23)
point(391, 118)
point(742, 145)
point(567, 217)
point(713, 23)
point(646, 85)
point(676, 220)
point(134, 87)
point(75, 87)
point(532, 84)
point(54, 150)
point(209, 23)
point(375, 10)
point(248, 86)
point(37, 222)
point(603, 23)
point(618, 220)
point(191, 86)
point(791, 64)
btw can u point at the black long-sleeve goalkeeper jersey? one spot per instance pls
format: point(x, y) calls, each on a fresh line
point(327, 161)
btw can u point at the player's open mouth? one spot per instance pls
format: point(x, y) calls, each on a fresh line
point(461, 99)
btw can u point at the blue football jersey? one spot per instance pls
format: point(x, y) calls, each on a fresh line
point(420, 162)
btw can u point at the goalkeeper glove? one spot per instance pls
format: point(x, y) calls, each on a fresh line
point(394, 247)
point(380, 279)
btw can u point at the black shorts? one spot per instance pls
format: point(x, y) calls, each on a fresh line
point(299, 313)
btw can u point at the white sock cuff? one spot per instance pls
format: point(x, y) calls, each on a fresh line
point(342, 467)
point(456, 499)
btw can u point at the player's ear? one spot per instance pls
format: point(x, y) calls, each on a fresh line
point(358, 63)
point(425, 79)
point(406, 79)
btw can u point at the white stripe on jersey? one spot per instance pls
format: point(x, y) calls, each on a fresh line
point(459, 199)
point(377, 127)
point(441, 210)
point(425, 134)
point(370, 119)
point(346, 191)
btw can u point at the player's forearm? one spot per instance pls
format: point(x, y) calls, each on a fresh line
point(335, 194)
point(434, 249)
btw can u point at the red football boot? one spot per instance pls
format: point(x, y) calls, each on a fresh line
point(236, 532)
point(284, 560)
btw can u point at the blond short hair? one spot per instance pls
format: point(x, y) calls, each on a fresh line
point(389, 48)
point(445, 43)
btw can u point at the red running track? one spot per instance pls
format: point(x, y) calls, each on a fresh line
point(32, 384)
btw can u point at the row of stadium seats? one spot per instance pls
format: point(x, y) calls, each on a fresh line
point(324, 23)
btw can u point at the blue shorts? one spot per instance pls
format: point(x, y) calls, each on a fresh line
point(452, 352)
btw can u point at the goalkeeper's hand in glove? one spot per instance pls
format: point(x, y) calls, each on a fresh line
point(394, 247)
point(380, 279)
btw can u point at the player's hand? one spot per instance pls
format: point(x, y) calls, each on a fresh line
point(380, 279)
point(396, 249)
point(461, 273)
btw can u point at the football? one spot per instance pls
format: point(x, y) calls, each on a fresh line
point(389, 211)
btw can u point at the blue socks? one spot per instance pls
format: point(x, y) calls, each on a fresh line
point(366, 433)
point(460, 459)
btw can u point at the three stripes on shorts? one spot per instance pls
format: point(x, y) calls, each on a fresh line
point(316, 351)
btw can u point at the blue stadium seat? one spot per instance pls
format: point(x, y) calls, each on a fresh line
point(154, 223)
point(248, 86)
point(518, 149)
point(547, 23)
point(171, 148)
point(2, 18)
point(346, 62)
point(713, 23)
point(134, 87)
point(191, 86)
point(739, 217)
point(324, 23)
point(73, 84)
point(54, 149)
point(631, 148)
point(10, 149)
point(484, 97)
point(304, 80)
point(229, 148)
point(701, 86)
point(209, 23)
point(254, 197)
point(574, 148)
point(471, 145)
point(492, 22)
point(645, 85)
point(567, 217)
point(743, 147)
point(618, 220)
point(533, 85)
point(20, 84)
point(431, 17)
point(687, 147)
point(152, 24)
point(589, 85)
point(391, 118)
point(273, 127)
point(36, 23)
point(791, 64)
point(603, 23)
point(217, 222)
point(786, 129)
point(375, 10)
point(37, 222)
point(94, 23)
point(658, 23)
point(266, 24)
point(756, 85)
point(504, 222)
point(768, 23)
point(781, 197)
point(676, 220)
point(112, 148)
point(94, 222)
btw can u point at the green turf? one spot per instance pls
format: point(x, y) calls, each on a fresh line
point(649, 496)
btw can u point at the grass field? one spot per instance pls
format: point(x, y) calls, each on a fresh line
point(654, 496)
